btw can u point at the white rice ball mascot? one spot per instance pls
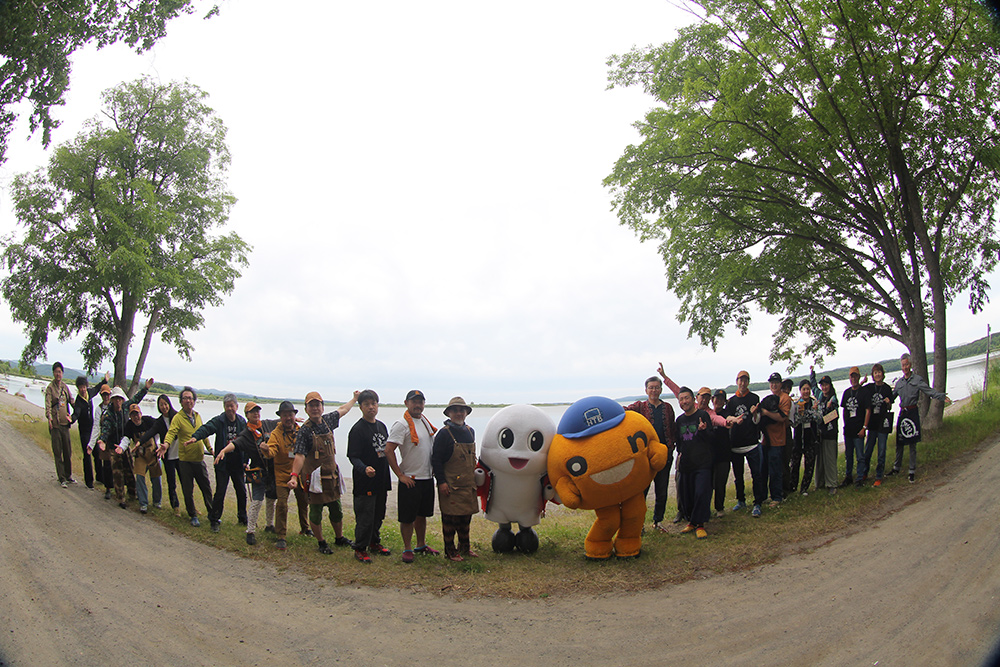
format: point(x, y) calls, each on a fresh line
point(512, 479)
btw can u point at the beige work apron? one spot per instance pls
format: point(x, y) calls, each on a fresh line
point(459, 473)
point(322, 457)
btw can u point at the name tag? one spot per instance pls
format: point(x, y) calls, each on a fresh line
point(291, 455)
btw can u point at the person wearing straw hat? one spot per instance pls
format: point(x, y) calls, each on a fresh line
point(453, 459)
point(281, 451)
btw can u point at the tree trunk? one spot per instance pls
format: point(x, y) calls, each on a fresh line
point(150, 329)
point(123, 338)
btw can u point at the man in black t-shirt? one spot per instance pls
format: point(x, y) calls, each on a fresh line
point(370, 473)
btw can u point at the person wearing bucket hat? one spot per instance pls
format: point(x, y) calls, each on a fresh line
point(281, 451)
point(453, 459)
point(112, 433)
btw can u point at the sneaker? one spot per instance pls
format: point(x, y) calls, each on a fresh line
point(847, 481)
point(324, 548)
point(307, 532)
point(678, 518)
point(877, 482)
point(143, 509)
point(720, 513)
point(803, 493)
point(756, 511)
point(63, 485)
point(739, 506)
point(71, 481)
point(773, 504)
point(107, 494)
point(688, 528)
point(912, 478)
point(216, 526)
point(195, 523)
point(362, 556)
point(343, 542)
point(158, 506)
point(660, 527)
point(701, 533)
point(379, 550)
point(892, 472)
point(427, 551)
point(281, 545)
point(858, 484)
point(408, 556)
point(123, 505)
point(268, 529)
point(251, 539)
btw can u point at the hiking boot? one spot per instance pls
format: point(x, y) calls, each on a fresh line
point(362, 556)
point(281, 545)
point(343, 542)
point(268, 529)
point(107, 494)
point(307, 532)
point(877, 482)
point(701, 533)
point(251, 539)
point(123, 505)
point(324, 548)
point(688, 528)
point(379, 550)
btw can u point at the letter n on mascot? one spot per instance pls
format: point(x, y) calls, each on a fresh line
point(603, 459)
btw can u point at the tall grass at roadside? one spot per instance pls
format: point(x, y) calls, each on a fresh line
point(558, 568)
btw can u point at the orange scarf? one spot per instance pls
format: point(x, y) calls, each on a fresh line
point(414, 438)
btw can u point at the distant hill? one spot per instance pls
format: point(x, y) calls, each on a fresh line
point(963, 351)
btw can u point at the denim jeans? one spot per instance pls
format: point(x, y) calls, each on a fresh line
point(757, 472)
point(854, 448)
point(873, 437)
point(143, 495)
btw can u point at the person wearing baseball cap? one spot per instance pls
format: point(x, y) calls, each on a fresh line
point(315, 468)
point(413, 437)
point(744, 441)
point(144, 459)
point(775, 410)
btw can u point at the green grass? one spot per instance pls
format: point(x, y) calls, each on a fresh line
point(736, 541)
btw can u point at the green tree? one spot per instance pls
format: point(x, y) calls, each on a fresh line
point(835, 164)
point(38, 38)
point(118, 227)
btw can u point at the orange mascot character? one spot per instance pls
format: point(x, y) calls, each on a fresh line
point(603, 459)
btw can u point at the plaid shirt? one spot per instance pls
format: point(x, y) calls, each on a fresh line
point(645, 408)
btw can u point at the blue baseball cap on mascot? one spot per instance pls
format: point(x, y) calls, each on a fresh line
point(590, 416)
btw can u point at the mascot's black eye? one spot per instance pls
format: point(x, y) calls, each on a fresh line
point(535, 441)
point(576, 466)
point(506, 438)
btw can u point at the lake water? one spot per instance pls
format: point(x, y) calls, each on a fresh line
point(964, 376)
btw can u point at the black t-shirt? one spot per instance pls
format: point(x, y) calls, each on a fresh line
point(745, 434)
point(854, 411)
point(873, 398)
point(366, 447)
point(694, 444)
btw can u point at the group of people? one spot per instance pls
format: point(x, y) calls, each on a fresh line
point(775, 436)
point(268, 460)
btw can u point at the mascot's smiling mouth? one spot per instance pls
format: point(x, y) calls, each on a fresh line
point(614, 475)
point(517, 464)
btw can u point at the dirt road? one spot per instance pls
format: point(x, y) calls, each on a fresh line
point(84, 583)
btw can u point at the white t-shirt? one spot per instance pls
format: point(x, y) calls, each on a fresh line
point(415, 459)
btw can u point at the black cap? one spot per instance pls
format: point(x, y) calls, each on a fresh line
point(774, 377)
point(826, 380)
point(415, 393)
point(720, 392)
point(285, 407)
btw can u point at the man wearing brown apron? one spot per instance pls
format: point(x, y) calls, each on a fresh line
point(454, 462)
point(315, 468)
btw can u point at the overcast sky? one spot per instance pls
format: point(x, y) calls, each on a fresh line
point(421, 185)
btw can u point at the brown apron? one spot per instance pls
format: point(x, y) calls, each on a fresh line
point(146, 460)
point(322, 457)
point(459, 473)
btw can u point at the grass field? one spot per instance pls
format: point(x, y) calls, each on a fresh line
point(736, 540)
